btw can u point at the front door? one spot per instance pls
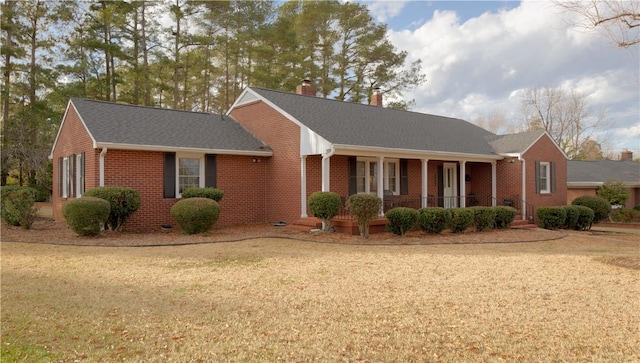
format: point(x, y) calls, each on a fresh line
point(449, 180)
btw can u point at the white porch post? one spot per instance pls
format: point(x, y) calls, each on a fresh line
point(303, 186)
point(463, 184)
point(425, 183)
point(494, 193)
point(326, 166)
point(381, 182)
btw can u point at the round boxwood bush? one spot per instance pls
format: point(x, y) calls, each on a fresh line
point(123, 201)
point(365, 208)
point(18, 206)
point(551, 217)
point(86, 215)
point(573, 213)
point(325, 205)
point(601, 207)
point(208, 192)
point(401, 220)
point(461, 219)
point(433, 220)
point(195, 215)
point(504, 216)
point(483, 217)
point(585, 217)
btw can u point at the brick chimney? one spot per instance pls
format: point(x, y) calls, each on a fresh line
point(306, 88)
point(626, 155)
point(376, 97)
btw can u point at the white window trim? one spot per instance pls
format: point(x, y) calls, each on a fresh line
point(200, 157)
point(367, 176)
point(79, 176)
point(546, 175)
point(65, 176)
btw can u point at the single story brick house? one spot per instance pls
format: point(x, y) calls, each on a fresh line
point(584, 177)
point(273, 149)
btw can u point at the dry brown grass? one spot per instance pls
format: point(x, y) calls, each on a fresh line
point(283, 299)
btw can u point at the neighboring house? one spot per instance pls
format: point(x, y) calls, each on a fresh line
point(158, 152)
point(585, 177)
point(273, 149)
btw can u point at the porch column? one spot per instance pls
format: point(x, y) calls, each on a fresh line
point(326, 166)
point(425, 183)
point(494, 193)
point(303, 186)
point(463, 184)
point(381, 182)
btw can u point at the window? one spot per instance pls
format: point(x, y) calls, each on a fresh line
point(189, 173)
point(184, 171)
point(545, 177)
point(367, 176)
point(71, 175)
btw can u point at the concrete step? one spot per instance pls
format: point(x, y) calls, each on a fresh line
point(522, 224)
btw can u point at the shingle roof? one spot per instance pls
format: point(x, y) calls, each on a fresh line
point(344, 123)
point(600, 171)
point(122, 124)
point(514, 143)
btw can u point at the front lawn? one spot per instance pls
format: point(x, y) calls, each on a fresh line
point(278, 299)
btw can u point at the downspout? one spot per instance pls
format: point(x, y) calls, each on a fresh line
point(102, 153)
point(524, 188)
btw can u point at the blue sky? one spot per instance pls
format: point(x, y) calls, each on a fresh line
point(479, 56)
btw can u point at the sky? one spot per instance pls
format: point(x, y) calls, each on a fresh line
point(480, 56)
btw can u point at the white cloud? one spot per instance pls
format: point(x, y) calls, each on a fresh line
point(382, 11)
point(481, 65)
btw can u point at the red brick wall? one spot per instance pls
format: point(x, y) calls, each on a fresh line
point(508, 179)
point(282, 184)
point(73, 139)
point(241, 179)
point(546, 151)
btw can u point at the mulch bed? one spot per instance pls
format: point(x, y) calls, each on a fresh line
point(51, 232)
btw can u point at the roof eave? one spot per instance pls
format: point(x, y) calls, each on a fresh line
point(357, 150)
point(117, 146)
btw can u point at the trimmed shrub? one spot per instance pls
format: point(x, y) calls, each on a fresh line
point(195, 215)
point(18, 206)
point(551, 217)
point(325, 205)
point(585, 217)
point(433, 220)
point(209, 192)
point(615, 192)
point(573, 213)
point(601, 207)
point(483, 217)
point(86, 215)
point(461, 219)
point(365, 208)
point(401, 220)
point(625, 215)
point(123, 201)
point(504, 216)
point(637, 207)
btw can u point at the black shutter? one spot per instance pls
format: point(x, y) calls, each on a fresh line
point(60, 176)
point(210, 170)
point(404, 176)
point(169, 175)
point(80, 171)
point(537, 177)
point(552, 175)
point(441, 186)
point(353, 175)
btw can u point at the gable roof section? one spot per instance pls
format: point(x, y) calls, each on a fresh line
point(122, 126)
point(356, 125)
point(597, 172)
point(514, 143)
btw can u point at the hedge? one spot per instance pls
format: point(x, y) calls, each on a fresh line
point(195, 215)
point(208, 192)
point(123, 201)
point(433, 220)
point(401, 220)
point(461, 219)
point(325, 205)
point(552, 217)
point(365, 208)
point(86, 215)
